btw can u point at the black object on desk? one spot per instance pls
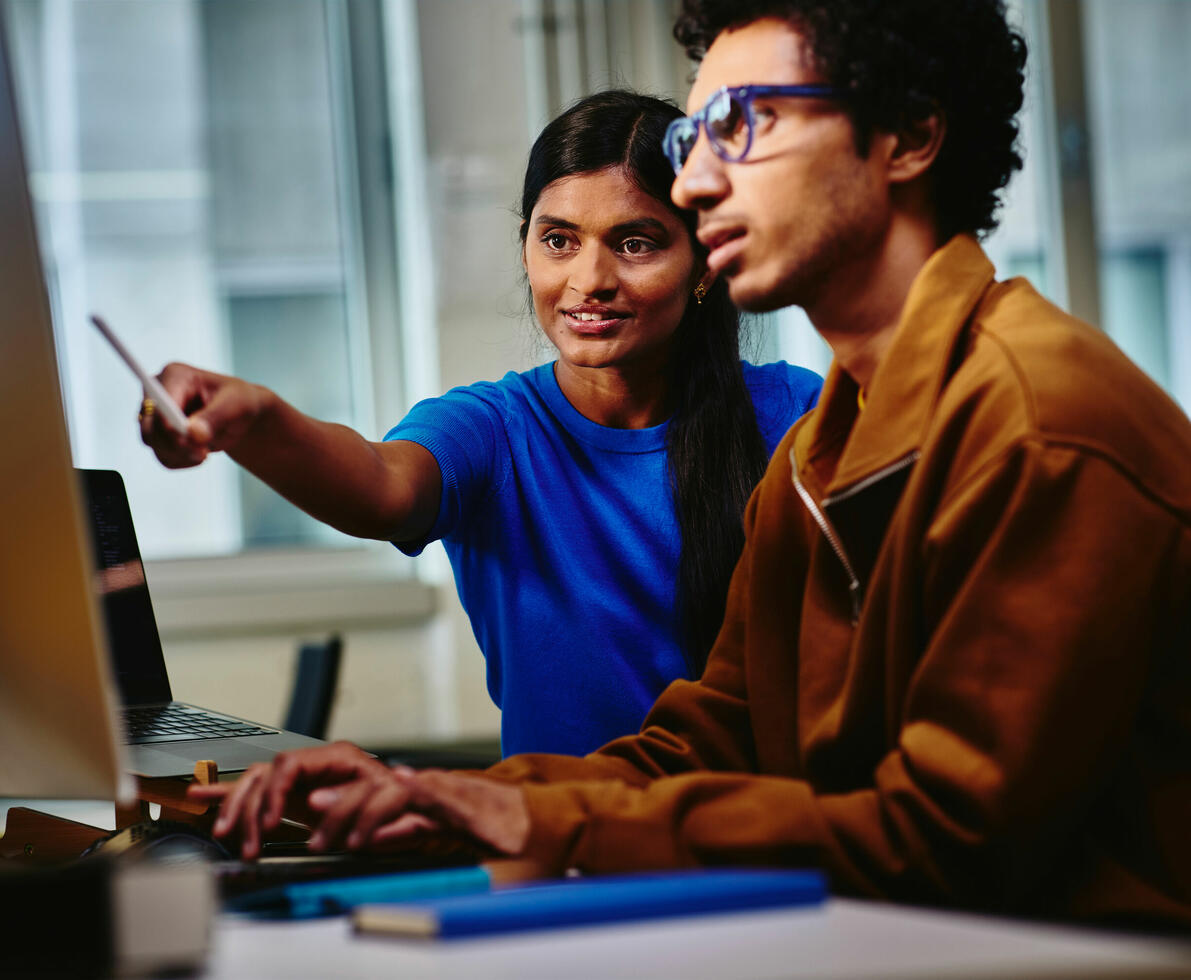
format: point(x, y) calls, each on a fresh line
point(161, 840)
point(102, 916)
point(56, 922)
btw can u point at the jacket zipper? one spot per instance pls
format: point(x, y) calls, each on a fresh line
point(868, 481)
point(854, 590)
point(832, 538)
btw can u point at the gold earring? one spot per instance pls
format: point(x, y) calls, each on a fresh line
point(700, 292)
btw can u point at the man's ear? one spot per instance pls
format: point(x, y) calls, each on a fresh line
point(915, 148)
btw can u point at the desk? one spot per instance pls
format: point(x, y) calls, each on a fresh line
point(844, 939)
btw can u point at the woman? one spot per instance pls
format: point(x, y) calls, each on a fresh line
point(591, 507)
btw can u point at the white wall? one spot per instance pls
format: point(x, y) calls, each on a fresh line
point(398, 685)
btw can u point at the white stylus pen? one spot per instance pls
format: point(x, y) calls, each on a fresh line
point(168, 408)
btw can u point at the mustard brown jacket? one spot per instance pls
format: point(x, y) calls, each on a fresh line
point(955, 666)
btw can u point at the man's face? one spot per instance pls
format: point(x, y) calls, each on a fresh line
point(792, 218)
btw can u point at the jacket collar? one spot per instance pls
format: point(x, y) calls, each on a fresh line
point(908, 382)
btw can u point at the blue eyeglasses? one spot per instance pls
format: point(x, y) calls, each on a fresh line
point(727, 118)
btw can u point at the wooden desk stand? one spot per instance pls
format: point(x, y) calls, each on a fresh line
point(35, 837)
point(170, 794)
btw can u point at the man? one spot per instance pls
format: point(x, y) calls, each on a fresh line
point(955, 666)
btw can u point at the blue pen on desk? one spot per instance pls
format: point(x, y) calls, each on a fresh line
point(335, 896)
point(595, 901)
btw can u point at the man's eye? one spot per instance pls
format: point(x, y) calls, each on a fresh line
point(763, 118)
point(725, 117)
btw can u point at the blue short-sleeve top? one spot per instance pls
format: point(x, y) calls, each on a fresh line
point(564, 544)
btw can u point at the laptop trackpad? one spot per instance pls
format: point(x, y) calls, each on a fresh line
point(229, 754)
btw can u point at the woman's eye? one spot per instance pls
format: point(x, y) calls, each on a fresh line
point(637, 246)
point(555, 242)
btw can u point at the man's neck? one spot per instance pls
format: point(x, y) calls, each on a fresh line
point(859, 312)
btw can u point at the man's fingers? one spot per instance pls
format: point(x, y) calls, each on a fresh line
point(239, 811)
point(407, 827)
point(323, 798)
point(333, 781)
point(208, 791)
point(284, 774)
point(339, 818)
point(249, 822)
point(300, 774)
point(387, 801)
point(229, 812)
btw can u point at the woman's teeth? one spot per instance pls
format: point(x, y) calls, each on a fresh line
point(590, 317)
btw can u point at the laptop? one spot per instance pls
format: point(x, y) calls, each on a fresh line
point(164, 737)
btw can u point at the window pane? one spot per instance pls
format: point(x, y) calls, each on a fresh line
point(278, 341)
point(1023, 241)
point(188, 182)
point(1139, 100)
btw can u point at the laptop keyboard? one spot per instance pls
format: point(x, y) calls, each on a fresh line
point(180, 723)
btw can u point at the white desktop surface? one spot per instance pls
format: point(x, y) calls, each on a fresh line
point(842, 939)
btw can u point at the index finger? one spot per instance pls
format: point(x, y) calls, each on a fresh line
point(208, 791)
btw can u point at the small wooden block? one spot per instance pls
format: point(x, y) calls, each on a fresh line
point(206, 772)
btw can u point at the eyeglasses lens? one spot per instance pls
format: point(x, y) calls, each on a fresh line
point(727, 125)
point(681, 136)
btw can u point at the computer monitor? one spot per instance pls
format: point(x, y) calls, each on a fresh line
point(58, 732)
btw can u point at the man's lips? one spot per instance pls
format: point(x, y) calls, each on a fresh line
point(724, 243)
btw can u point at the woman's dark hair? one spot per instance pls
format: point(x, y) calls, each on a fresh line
point(715, 453)
point(900, 61)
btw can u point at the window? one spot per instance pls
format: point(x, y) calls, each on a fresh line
point(197, 179)
point(198, 170)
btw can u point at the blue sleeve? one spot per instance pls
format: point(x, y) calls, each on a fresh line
point(782, 393)
point(466, 433)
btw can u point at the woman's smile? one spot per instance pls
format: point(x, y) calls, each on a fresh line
point(594, 320)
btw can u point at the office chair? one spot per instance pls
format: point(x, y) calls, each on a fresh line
point(315, 678)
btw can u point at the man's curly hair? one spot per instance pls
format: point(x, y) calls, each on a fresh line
point(899, 61)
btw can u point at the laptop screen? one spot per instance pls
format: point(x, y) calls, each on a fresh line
point(137, 659)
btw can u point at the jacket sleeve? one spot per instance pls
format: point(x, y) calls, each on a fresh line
point(1040, 621)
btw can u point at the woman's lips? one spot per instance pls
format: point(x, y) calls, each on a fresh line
point(593, 325)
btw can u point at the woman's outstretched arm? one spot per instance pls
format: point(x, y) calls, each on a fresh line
point(383, 490)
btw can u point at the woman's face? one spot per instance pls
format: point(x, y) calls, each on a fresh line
point(611, 270)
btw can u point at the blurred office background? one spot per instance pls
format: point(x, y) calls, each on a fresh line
point(320, 195)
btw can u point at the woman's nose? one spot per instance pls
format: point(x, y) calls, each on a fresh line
point(593, 272)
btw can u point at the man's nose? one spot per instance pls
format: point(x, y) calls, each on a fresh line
point(702, 182)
